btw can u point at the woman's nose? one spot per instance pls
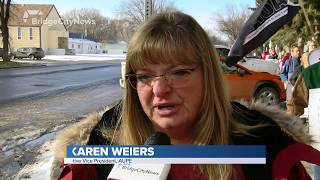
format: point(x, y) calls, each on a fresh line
point(160, 87)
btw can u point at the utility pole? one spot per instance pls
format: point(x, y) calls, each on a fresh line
point(147, 9)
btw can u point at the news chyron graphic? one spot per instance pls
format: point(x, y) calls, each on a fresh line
point(166, 154)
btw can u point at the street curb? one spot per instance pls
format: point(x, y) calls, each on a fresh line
point(24, 66)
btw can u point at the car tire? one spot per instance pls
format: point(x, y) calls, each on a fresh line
point(32, 57)
point(267, 95)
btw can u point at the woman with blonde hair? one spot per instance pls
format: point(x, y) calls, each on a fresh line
point(189, 101)
point(174, 84)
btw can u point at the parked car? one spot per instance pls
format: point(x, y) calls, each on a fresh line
point(246, 84)
point(257, 65)
point(259, 86)
point(70, 52)
point(223, 51)
point(28, 52)
point(253, 78)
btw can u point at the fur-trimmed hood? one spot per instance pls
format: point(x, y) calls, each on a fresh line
point(291, 125)
point(79, 133)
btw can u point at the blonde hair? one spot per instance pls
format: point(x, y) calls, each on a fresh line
point(176, 38)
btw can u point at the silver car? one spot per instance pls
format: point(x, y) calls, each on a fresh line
point(28, 52)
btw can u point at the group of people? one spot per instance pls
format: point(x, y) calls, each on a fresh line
point(271, 54)
point(174, 85)
point(293, 67)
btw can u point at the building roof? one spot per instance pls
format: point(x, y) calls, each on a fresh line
point(26, 14)
point(81, 36)
point(82, 41)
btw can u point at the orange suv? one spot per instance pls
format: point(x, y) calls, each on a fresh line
point(259, 86)
point(248, 84)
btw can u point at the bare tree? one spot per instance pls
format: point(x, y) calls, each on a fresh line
point(216, 40)
point(126, 29)
point(113, 30)
point(132, 10)
point(259, 3)
point(132, 14)
point(87, 22)
point(4, 19)
point(231, 22)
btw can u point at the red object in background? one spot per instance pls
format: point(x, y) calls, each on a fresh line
point(263, 56)
point(266, 55)
point(284, 59)
point(287, 166)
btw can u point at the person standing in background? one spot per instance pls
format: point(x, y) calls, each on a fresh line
point(289, 68)
point(272, 54)
point(308, 79)
point(304, 58)
point(285, 55)
point(304, 63)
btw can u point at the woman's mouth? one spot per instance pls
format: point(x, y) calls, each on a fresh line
point(165, 110)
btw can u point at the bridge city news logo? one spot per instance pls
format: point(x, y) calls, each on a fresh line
point(37, 19)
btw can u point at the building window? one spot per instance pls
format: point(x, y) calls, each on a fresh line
point(19, 33)
point(30, 33)
point(78, 46)
point(72, 46)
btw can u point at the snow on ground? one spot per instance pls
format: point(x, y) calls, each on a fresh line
point(67, 59)
point(81, 57)
point(41, 168)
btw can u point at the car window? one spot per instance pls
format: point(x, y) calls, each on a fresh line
point(228, 70)
point(223, 52)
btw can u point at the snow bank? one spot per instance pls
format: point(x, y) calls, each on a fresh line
point(85, 57)
point(41, 168)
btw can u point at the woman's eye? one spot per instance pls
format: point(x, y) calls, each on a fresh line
point(181, 72)
point(143, 78)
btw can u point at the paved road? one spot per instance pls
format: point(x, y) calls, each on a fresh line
point(17, 83)
point(46, 100)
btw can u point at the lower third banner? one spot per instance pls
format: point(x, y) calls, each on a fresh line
point(166, 154)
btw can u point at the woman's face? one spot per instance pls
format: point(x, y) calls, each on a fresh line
point(171, 101)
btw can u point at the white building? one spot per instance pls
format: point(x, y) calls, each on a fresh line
point(84, 46)
point(115, 48)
